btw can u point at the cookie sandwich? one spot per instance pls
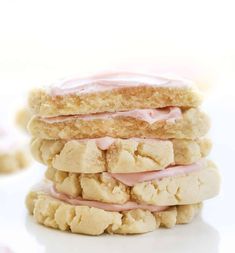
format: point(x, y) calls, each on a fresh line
point(124, 153)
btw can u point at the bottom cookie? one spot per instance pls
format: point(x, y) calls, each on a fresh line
point(54, 213)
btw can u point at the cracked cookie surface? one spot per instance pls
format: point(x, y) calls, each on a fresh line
point(93, 221)
point(178, 190)
point(122, 156)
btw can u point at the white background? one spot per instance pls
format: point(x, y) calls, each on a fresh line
point(41, 41)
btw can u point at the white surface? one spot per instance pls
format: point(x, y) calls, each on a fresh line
point(212, 232)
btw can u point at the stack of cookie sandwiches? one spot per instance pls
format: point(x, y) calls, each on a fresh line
point(125, 153)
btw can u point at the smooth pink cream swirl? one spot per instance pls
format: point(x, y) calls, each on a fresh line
point(114, 80)
point(130, 179)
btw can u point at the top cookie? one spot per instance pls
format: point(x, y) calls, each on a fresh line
point(110, 92)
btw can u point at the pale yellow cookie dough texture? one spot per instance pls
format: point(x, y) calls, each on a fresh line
point(193, 124)
point(12, 161)
point(78, 167)
point(23, 117)
point(93, 221)
point(44, 104)
point(168, 191)
point(124, 155)
point(14, 154)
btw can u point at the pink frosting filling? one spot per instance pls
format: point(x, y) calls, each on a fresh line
point(105, 142)
point(130, 205)
point(130, 179)
point(113, 80)
point(151, 116)
point(48, 188)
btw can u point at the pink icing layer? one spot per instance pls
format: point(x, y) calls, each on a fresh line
point(113, 80)
point(130, 179)
point(130, 205)
point(47, 187)
point(151, 116)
